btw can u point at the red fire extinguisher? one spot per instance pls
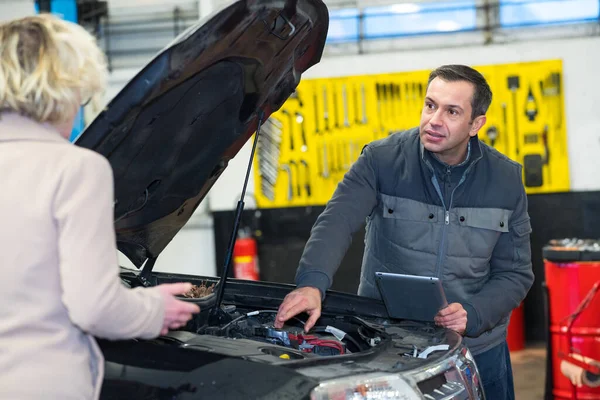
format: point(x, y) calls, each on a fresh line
point(245, 257)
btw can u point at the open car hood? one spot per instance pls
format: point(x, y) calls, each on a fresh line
point(170, 133)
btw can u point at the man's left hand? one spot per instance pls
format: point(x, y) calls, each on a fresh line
point(452, 317)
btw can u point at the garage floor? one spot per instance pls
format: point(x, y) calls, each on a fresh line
point(529, 372)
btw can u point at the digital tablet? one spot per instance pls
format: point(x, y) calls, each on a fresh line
point(410, 296)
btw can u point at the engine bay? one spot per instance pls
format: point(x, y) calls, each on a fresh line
point(253, 331)
point(236, 328)
point(331, 337)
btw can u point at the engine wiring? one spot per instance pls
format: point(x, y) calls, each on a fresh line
point(313, 344)
point(372, 341)
point(323, 329)
point(253, 313)
point(306, 342)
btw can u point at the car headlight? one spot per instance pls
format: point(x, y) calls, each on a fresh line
point(366, 387)
point(465, 352)
point(469, 370)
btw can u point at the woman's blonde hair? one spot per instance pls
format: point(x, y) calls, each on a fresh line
point(48, 67)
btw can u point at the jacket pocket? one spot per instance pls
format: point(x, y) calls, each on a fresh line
point(478, 231)
point(522, 245)
point(407, 209)
point(407, 224)
point(492, 219)
point(522, 228)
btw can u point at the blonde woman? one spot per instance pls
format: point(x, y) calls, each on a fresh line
point(59, 283)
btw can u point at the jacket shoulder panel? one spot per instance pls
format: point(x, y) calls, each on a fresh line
point(500, 160)
point(395, 139)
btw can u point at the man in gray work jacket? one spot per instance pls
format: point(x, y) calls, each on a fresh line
point(437, 202)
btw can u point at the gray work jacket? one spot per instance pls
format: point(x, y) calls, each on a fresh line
point(476, 242)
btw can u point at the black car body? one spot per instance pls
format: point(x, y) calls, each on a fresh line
point(169, 134)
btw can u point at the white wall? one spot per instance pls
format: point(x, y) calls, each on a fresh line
point(10, 9)
point(192, 251)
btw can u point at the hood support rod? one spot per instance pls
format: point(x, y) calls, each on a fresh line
point(145, 274)
point(236, 223)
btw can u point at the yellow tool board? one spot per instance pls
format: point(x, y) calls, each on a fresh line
point(308, 145)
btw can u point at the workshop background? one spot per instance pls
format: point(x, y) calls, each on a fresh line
point(540, 56)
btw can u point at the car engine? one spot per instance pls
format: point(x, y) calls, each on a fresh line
point(340, 337)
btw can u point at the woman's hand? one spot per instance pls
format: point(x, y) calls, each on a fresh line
point(177, 312)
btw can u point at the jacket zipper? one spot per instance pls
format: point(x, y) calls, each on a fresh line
point(446, 223)
point(442, 248)
point(436, 184)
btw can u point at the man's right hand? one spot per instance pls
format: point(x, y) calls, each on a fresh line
point(177, 312)
point(305, 299)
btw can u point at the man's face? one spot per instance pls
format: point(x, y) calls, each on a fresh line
point(446, 124)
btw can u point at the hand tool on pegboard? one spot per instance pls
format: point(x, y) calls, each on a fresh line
point(379, 107)
point(531, 106)
point(492, 135)
point(417, 98)
point(533, 168)
point(414, 107)
point(327, 156)
point(291, 124)
point(407, 99)
point(546, 158)
point(332, 157)
point(290, 192)
point(363, 100)
point(356, 98)
point(401, 107)
point(325, 109)
point(505, 121)
point(300, 121)
point(336, 109)
point(307, 185)
point(343, 149)
point(392, 117)
point(353, 151)
point(384, 108)
point(550, 88)
point(421, 98)
point(316, 112)
point(324, 159)
point(268, 149)
point(296, 173)
point(296, 96)
point(555, 85)
point(398, 105)
point(532, 127)
point(319, 162)
point(341, 157)
point(513, 85)
point(345, 106)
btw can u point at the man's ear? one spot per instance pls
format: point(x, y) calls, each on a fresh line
point(477, 124)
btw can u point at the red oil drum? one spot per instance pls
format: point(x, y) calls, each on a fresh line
point(572, 268)
point(516, 330)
